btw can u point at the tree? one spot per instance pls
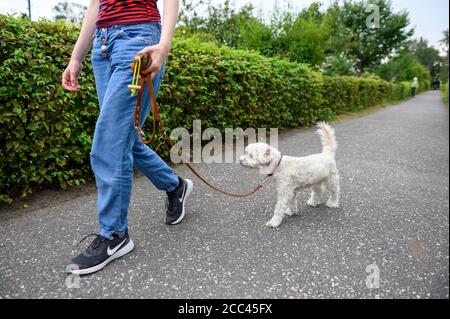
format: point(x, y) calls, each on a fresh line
point(305, 37)
point(369, 45)
point(339, 34)
point(429, 57)
point(71, 12)
point(300, 37)
point(338, 65)
point(188, 16)
point(444, 41)
point(225, 23)
point(444, 70)
point(306, 42)
point(404, 67)
point(255, 35)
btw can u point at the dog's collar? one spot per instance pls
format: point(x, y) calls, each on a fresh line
point(276, 167)
point(272, 173)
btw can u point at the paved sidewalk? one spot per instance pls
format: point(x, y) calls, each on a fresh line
point(394, 168)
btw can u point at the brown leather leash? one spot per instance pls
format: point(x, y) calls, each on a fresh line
point(157, 124)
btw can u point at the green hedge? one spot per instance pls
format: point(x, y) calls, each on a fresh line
point(227, 88)
point(46, 132)
point(346, 93)
point(444, 90)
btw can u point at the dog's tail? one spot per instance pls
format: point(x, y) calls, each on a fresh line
point(327, 137)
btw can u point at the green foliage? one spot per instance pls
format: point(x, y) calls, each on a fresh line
point(444, 89)
point(430, 58)
point(370, 45)
point(186, 33)
point(405, 68)
point(256, 36)
point(336, 65)
point(70, 12)
point(444, 70)
point(346, 93)
point(46, 132)
point(309, 36)
point(425, 54)
point(305, 41)
point(301, 37)
point(225, 24)
point(237, 88)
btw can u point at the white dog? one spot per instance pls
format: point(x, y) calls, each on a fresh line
point(318, 172)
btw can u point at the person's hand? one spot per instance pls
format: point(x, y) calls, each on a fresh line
point(71, 75)
point(158, 54)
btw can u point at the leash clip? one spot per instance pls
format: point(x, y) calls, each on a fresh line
point(136, 72)
point(265, 180)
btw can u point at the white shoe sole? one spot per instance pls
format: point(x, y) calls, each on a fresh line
point(121, 252)
point(190, 186)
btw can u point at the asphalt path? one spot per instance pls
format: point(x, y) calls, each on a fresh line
point(389, 238)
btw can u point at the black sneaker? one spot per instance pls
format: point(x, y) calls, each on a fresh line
point(100, 253)
point(175, 201)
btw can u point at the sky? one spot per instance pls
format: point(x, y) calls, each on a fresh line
point(429, 17)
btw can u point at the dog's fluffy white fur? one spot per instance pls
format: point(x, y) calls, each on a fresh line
point(317, 172)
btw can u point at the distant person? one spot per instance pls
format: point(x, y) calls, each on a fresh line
point(436, 84)
point(414, 87)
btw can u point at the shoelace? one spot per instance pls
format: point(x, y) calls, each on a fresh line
point(95, 243)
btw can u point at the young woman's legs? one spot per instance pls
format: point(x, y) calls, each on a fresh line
point(116, 147)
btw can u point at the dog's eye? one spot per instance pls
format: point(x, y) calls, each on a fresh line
point(251, 155)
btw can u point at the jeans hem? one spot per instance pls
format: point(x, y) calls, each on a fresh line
point(106, 234)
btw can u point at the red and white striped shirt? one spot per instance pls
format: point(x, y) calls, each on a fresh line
point(117, 12)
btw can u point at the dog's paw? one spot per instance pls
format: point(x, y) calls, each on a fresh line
point(290, 212)
point(270, 224)
point(331, 204)
point(312, 203)
point(274, 223)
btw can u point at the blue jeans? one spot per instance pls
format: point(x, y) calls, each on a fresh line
point(116, 148)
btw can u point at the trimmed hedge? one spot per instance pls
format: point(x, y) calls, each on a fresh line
point(444, 90)
point(227, 88)
point(346, 93)
point(46, 132)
